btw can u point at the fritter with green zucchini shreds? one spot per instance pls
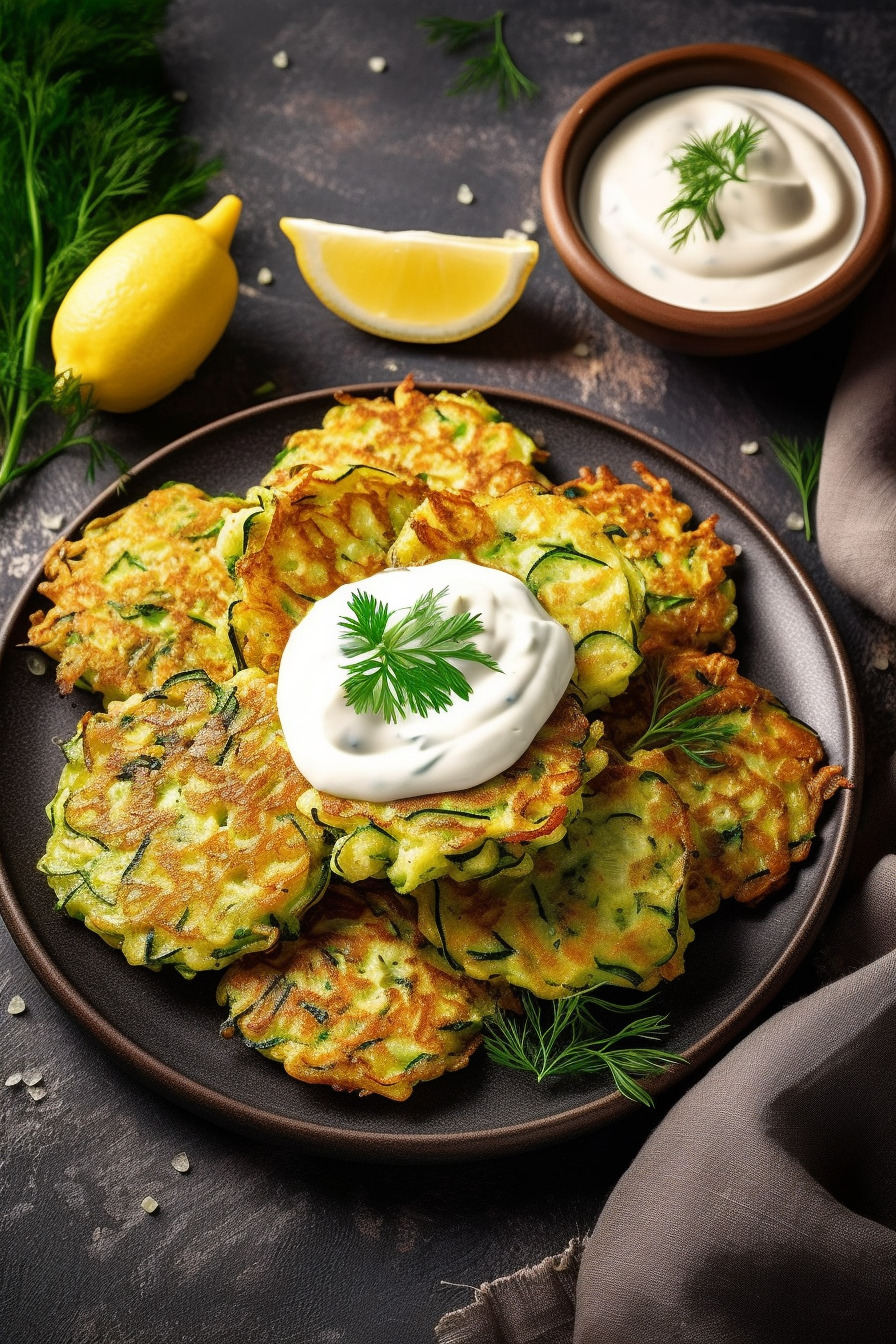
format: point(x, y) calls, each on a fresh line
point(753, 809)
point(690, 601)
point(560, 552)
point(604, 907)
point(143, 594)
point(469, 832)
point(175, 832)
point(299, 543)
point(359, 1001)
point(450, 441)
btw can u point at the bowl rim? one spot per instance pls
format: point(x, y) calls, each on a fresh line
point(744, 65)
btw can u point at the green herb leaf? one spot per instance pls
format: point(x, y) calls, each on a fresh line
point(703, 167)
point(404, 662)
point(558, 1038)
point(88, 148)
point(697, 735)
point(801, 459)
point(494, 69)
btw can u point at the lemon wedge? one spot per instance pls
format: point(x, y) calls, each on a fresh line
point(411, 285)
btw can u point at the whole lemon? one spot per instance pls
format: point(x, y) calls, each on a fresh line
point(145, 313)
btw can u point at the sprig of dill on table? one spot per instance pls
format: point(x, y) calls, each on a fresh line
point(399, 664)
point(562, 1038)
point(801, 459)
point(88, 147)
point(699, 736)
point(703, 166)
point(495, 68)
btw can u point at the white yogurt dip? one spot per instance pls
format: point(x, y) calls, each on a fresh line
point(360, 755)
point(789, 226)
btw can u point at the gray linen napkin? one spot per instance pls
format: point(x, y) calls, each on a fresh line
point(762, 1210)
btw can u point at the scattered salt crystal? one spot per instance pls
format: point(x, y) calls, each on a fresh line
point(280, 59)
point(390, 366)
point(748, 449)
point(515, 233)
point(180, 1162)
point(737, 548)
point(581, 351)
point(795, 522)
point(179, 96)
point(574, 39)
point(31, 1077)
point(149, 1205)
point(16, 1005)
point(538, 438)
point(377, 64)
point(880, 662)
point(465, 195)
point(52, 521)
point(528, 226)
point(37, 1093)
point(37, 667)
point(265, 276)
point(13, 1080)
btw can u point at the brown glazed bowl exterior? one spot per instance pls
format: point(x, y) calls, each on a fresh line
point(714, 333)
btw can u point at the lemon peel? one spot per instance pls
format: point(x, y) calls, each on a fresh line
point(148, 310)
point(411, 285)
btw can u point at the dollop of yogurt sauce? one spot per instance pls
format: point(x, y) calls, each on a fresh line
point(360, 755)
point(789, 226)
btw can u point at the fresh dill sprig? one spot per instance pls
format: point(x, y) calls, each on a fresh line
point(88, 148)
point(405, 665)
point(559, 1038)
point(697, 735)
point(494, 69)
point(703, 167)
point(801, 459)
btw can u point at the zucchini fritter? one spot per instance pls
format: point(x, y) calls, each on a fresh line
point(299, 543)
point(359, 1001)
point(604, 907)
point(175, 835)
point(559, 551)
point(142, 595)
point(755, 815)
point(470, 832)
point(690, 602)
point(449, 441)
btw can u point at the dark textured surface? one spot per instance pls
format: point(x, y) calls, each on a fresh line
point(251, 1243)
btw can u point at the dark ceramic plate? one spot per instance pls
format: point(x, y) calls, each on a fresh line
point(165, 1029)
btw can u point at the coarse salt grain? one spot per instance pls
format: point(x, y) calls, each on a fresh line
point(35, 665)
point(880, 662)
point(37, 1093)
point(265, 276)
point(581, 351)
point(280, 60)
point(31, 1077)
point(515, 233)
point(748, 449)
point(465, 195)
point(52, 521)
point(737, 548)
point(795, 522)
point(390, 366)
point(149, 1205)
point(377, 64)
point(13, 1080)
point(16, 1005)
point(574, 39)
point(528, 226)
point(180, 1162)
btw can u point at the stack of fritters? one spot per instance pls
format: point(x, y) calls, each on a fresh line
point(184, 834)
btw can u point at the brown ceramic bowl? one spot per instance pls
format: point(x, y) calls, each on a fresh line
point(639, 82)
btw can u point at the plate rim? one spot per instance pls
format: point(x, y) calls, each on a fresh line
point(453, 1145)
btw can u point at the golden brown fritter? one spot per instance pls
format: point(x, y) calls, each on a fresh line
point(142, 595)
point(604, 907)
point(560, 552)
point(468, 832)
point(175, 834)
point(359, 1002)
point(450, 441)
point(755, 815)
point(690, 602)
point(299, 543)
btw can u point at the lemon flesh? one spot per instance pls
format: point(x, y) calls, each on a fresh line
point(145, 313)
point(411, 285)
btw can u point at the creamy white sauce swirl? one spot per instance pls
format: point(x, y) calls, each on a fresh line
point(360, 755)
point(789, 226)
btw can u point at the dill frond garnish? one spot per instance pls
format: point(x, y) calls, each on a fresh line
point(703, 167)
point(561, 1038)
point(88, 148)
point(699, 736)
point(494, 69)
point(404, 662)
point(801, 459)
